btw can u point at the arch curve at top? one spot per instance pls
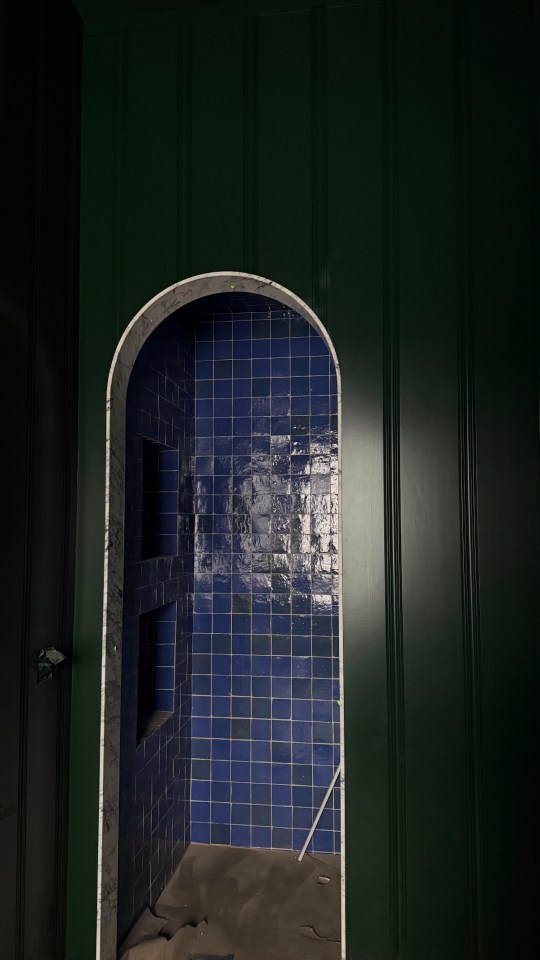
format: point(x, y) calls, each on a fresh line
point(187, 291)
point(145, 322)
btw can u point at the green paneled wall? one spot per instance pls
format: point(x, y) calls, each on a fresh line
point(379, 160)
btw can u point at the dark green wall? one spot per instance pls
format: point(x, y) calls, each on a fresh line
point(40, 75)
point(379, 160)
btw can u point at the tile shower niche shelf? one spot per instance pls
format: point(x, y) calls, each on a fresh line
point(159, 534)
point(157, 643)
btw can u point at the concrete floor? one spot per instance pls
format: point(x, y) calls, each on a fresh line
point(251, 904)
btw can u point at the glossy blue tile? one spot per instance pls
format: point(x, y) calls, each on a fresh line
point(241, 749)
point(281, 389)
point(261, 750)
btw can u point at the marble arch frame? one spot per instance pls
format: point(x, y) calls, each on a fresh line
point(137, 332)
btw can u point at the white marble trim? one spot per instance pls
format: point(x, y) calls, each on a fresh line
point(140, 328)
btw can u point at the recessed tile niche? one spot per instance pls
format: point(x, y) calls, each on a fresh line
point(230, 726)
point(157, 661)
point(159, 526)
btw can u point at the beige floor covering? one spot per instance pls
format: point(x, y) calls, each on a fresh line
point(254, 904)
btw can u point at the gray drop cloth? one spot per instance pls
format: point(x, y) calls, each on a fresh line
point(255, 904)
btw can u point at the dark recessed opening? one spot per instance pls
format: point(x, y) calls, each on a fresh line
point(159, 535)
point(157, 649)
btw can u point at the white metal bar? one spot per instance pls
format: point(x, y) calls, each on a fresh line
point(319, 813)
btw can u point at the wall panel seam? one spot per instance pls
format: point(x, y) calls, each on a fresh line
point(534, 36)
point(70, 419)
point(319, 163)
point(468, 486)
point(251, 142)
point(33, 325)
point(3, 12)
point(392, 493)
point(119, 161)
point(184, 150)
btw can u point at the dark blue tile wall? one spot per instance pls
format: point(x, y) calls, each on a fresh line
point(159, 535)
point(265, 724)
point(155, 754)
point(235, 405)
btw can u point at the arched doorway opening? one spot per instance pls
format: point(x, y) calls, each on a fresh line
point(222, 649)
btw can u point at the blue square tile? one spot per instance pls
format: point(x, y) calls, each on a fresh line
point(281, 793)
point(281, 730)
point(261, 836)
point(241, 329)
point(281, 366)
point(281, 774)
point(279, 348)
point(200, 832)
point(303, 796)
point(221, 685)
point(200, 790)
point(220, 813)
point(241, 813)
point(281, 752)
point(280, 406)
point(221, 728)
point(261, 772)
point(164, 700)
point(241, 791)
point(224, 388)
point(261, 348)
point(260, 750)
point(240, 836)
point(322, 775)
point(201, 727)
point(302, 752)
point(220, 833)
point(303, 818)
point(241, 686)
point(223, 329)
point(201, 684)
point(201, 706)
point(261, 793)
point(200, 812)
point(281, 687)
point(221, 749)
point(261, 815)
point(323, 841)
point(260, 729)
point(240, 770)
point(281, 709)
point(281, 816)
point(221, 770)
point(223, 349)
point(240, 749)
point(200, 769)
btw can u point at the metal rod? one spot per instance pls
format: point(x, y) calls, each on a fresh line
point(319, 814)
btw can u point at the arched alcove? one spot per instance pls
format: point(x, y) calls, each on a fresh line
point(160, 570)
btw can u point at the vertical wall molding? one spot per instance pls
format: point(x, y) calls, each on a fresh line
point(468, 486)
point(119, 160)
point(69, 486)
point(33, 325)
point(184, 148)
point(319, 163)
point(392, 492)
point(534, 36)
point(3, 17)
point(251, 142)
